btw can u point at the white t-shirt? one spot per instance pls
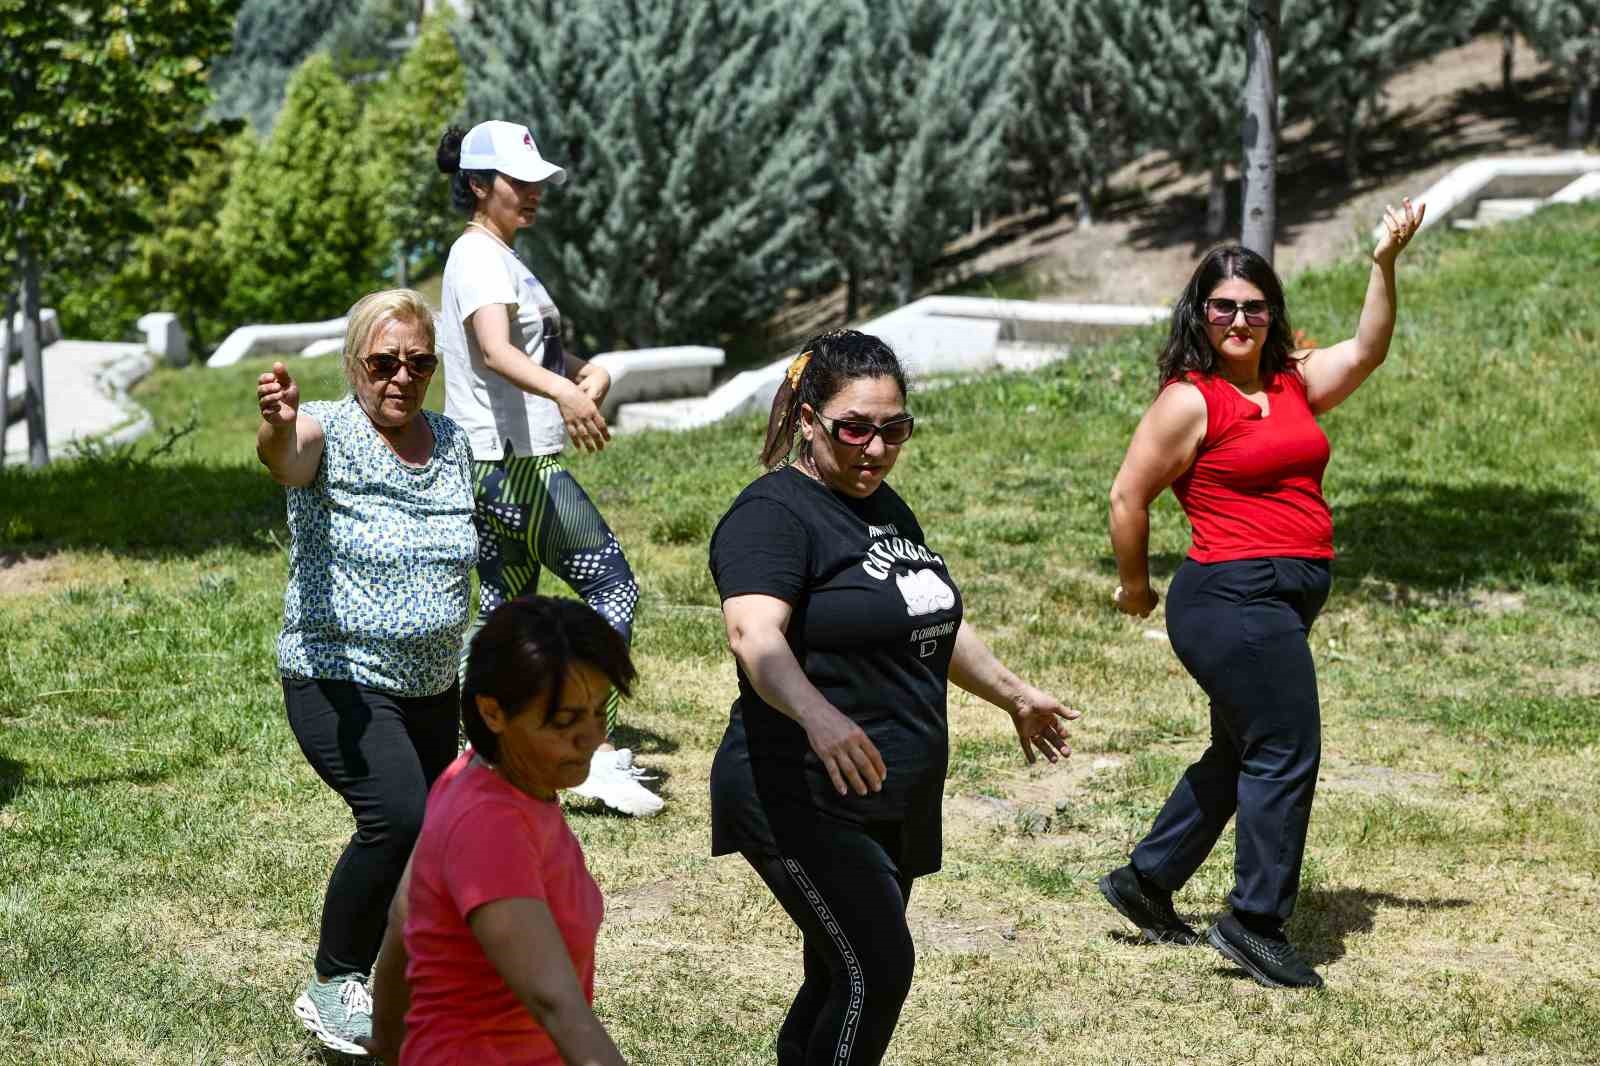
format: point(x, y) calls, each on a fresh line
point(494, 412)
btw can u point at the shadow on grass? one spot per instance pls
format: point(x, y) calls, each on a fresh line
point(11, 775)
point(140, 509)
point(1326, 918)
point(1439, 535)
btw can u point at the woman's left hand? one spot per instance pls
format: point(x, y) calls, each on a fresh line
point(595, 381)
point(1398, 230)
point(1038, 717)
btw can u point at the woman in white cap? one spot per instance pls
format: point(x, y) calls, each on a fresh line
point(511, 386)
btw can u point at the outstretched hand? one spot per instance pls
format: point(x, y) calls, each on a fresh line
point(1038, 718)
point(278, 396)
point(1398, 229)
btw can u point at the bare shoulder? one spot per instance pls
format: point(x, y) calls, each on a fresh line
point(1180, 402)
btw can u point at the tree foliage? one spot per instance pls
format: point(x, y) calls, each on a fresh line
point(684, 214)
point(296, 227)
point(1567, 34)
point(399, 132)
point(1068, 126)
point(101, 102)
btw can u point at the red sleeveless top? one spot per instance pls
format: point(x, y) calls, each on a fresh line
point(1255, 488)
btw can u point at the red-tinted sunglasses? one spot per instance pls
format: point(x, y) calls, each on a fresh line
point(1221, 312)
point(859, 434)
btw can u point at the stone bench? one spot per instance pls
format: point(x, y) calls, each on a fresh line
point(248, 341)
point(657, 374)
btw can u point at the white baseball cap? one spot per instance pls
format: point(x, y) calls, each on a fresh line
point(508, 147)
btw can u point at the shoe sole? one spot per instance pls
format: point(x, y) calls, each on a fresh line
point(1113, 897)
point(311, 1018)
point(1245, 963)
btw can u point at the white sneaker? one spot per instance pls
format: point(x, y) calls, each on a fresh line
point(625, 763)
point(614, 783)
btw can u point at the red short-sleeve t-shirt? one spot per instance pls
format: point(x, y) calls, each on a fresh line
point(484, 840)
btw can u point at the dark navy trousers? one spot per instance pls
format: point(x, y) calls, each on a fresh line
point(1241, 630)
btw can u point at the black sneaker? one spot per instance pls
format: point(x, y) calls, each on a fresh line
point(1272, 961)
point(1148, 908)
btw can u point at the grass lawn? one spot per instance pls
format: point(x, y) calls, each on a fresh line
point(164, 846)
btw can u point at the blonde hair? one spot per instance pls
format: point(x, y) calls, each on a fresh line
point(374, 309)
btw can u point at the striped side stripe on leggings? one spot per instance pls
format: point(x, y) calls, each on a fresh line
point(858, 984)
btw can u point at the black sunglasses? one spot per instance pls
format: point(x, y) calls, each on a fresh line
point(859, 434)
point(1221, 312)
point(384, 365)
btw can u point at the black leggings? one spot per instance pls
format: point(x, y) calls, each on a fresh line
point(849, 898)
point(381, 753)
point(1241, 628)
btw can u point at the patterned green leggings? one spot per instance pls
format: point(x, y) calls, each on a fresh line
point(532, 514)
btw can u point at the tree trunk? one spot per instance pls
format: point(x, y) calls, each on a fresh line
point(6, 341)
point(32, 357)
point(1259, 173)
point(852, 293)
point(1217, 201)
point(1352, 143)
point(1578, 111)
point(1086, 202)
point(1508, 54)
point(904, 285)
point(402, 276)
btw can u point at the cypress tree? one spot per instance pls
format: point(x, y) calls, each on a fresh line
point(296, 225)
point(1067, 77)
point(912, 113)
point(1188, 71)
point(684, 216)
point(397, 139)
point(1567, 34)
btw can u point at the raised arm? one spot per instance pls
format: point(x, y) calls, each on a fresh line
point(287, 442)
point(1163, 447)
point(1332, 374)
point(1035, 714)
point(520, 938)
point(491, 325)
point(756, 626)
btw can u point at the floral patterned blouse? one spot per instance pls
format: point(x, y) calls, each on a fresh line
point(378, 558)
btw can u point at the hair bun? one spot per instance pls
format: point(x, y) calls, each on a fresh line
point(448, 156)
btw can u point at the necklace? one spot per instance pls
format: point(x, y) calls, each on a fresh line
point(493, 236)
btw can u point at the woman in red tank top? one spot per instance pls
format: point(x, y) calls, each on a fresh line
point(1234, 433)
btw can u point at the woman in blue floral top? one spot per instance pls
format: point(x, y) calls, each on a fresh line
point(382, 540)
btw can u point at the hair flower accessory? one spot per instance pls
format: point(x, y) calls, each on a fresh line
point(797, 368)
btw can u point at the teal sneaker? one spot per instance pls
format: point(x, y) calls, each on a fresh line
point(338, 1012)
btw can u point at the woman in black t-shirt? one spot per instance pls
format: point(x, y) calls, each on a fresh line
point(845, 628)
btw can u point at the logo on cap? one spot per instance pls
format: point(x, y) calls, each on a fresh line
point(527, 140)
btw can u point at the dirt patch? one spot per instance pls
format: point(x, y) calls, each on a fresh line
point(958, 936)
point(21, 575)
point(641, 903)
point(1374, 780)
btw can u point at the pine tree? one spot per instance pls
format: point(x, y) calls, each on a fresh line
point(296, 227)
point(399, 133)
point(271, 38)
point(1338, 57)
point(684, 216)
point(1067, 77)
point(912, 115)
point(1189, 64)
point(1567, 34)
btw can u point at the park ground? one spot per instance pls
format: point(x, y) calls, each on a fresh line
point(164, 846)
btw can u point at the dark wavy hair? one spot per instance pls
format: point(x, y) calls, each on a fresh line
point(836, 359)
point(448, 159)
point(520, 658)
point(1188, 346)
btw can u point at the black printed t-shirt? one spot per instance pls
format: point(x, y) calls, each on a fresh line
point(874, 622)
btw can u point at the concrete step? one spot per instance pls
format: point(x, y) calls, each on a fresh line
point(659, 414)
point(1504, 210)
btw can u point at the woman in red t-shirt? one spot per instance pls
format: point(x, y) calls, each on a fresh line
point(1234, 433)
point(498, 911)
